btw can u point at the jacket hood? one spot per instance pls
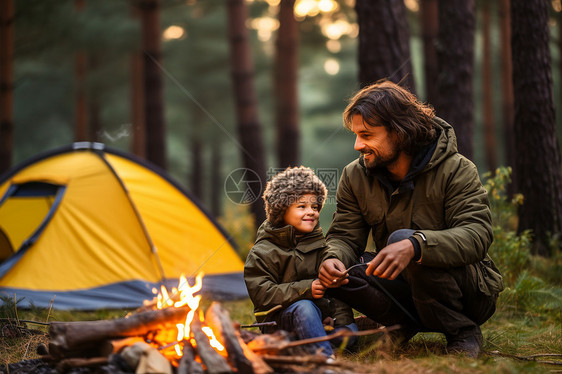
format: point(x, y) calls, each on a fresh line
point(286, 237)
point(446, 143)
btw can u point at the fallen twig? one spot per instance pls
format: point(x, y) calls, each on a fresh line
point(343, 332)
point(16, 321)
point(260, 324)
point(530, 357)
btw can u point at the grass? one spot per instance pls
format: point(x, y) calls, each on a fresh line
point(509, 333)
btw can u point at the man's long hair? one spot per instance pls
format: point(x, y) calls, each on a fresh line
point(385, 103)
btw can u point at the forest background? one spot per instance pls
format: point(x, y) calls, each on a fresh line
point(165, 80)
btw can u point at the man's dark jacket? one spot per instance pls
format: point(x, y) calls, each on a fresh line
point(445, 202)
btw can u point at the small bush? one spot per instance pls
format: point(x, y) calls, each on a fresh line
point(510, 251)
point(530, 293)
point(239, 223)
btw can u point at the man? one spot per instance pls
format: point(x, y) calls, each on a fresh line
point(430, 221)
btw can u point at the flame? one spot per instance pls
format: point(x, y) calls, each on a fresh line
point(185, 295)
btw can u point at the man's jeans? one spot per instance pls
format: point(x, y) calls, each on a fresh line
point(304, 318)
point(421, 298)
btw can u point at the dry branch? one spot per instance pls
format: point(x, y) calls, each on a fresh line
point(274, 345)
point(72, 363)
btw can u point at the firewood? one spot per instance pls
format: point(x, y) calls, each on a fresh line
point(215, 363)
point(218, 319)
point(72, 363)
point(269, 343)
point(299, 360)
point(116, 345)
point(187, 364)
point(68, 339)
point(258, 364)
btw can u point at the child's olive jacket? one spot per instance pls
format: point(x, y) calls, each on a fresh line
point(279, 271)
point(443, 200)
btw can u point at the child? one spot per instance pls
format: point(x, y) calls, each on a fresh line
point(281, 269)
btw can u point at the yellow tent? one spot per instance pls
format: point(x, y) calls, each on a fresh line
point(92, 227)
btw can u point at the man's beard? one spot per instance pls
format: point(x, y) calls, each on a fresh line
point(379, 162)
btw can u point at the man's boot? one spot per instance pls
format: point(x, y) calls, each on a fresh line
point(468, 342)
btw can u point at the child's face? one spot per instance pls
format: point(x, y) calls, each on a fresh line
point(303, 214)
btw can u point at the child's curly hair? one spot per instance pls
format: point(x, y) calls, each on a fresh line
point(287, 187)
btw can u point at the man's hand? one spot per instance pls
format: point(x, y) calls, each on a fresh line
point(317, 289)
point(331, 273)
point(391, 260)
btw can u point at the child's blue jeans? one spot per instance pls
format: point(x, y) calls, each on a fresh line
point(304, 318)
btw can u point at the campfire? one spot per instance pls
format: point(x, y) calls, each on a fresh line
point(171, 334)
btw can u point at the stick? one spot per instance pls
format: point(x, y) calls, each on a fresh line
point(70, 363)
point(531, 357)
point(299, 360)
point(272, 323)
point(343, 332)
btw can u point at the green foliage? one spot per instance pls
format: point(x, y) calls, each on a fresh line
point(239, 223)
point(532, 294)
point(528, 278)
point(504, 210)
point(510, 251)
point(550, 269)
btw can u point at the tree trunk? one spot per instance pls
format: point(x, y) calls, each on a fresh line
point(81, 112)
point(286, 87)
point(196, 166)
point(138, 146)
point(538, 156)
point(507, 92)
point(249, 128)
point(430, 29)
point(384, 42)
point(6, 84)
point(487, 104)
point(455, 54)
point(96, 127)
point(217, 183)
point(153, 83)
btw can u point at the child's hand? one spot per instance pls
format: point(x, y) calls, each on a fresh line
point(317, 289)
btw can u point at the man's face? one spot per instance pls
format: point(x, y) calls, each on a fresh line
point(378, 147)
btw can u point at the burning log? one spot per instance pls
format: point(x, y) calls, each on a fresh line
point(187, 364)
point(71, 339)
point(214, 362)
point(239, 355)
point(116, 345)
point(219, 321)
